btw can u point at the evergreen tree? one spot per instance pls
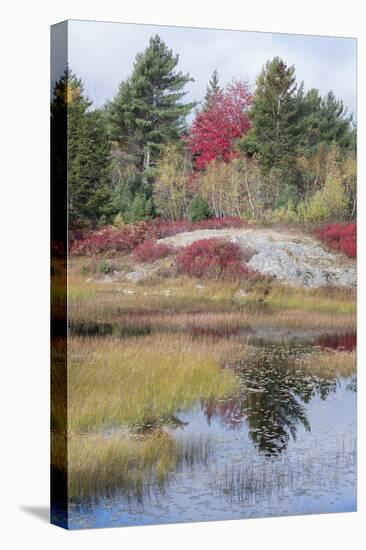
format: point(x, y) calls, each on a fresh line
point(140, 209)
point(275, 116)
point(89, 186)
point(88, 148)
point(199, 209)
point(335, 126)
point(326, 122)
point(147, 112)
point(212, 89)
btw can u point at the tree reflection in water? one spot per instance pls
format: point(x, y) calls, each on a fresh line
point(271, 401)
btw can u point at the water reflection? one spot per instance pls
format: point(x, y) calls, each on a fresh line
point(276, 447)
point(274, 392)
point(132, 325)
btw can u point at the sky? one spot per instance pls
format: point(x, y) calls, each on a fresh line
point(102, 55)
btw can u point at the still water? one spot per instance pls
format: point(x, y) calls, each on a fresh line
point(285, 445)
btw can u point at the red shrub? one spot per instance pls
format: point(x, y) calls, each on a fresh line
point(212, 258)
point(150, 252)
point(128, 237)
point(340, 236)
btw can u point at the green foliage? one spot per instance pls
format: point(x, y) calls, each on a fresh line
point(212, 89)
point(105, 267)
point(325, 121)
point(88, 150)
point(289, 124)
point(139, 210)
point(130, 183)
point(275, 116)
point(287, 194)
point(199, 209)
point(147, 111)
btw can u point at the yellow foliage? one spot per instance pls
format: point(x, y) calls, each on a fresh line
point(170, 189)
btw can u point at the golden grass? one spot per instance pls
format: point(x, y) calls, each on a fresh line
point(102, 463)
point(322, 300)
point(248, 304)
point(328, 364)
point(115, 382)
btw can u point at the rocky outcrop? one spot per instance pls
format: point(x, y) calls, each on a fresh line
point(291, 256)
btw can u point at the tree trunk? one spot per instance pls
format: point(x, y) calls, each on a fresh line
point(249, 195)
point(146, 158)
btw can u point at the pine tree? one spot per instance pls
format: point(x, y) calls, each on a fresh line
point(275, 116)
point(147, 112)
point(212, 89)
point(88, 149)
point(334, 125)
point(326, 122)
point(140, 209)
point(89, 182)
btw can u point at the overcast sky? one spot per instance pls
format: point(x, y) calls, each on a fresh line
point(102, 55)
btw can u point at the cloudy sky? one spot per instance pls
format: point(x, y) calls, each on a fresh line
point(102, 54)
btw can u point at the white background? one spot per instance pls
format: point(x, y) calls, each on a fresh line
point(24, 288)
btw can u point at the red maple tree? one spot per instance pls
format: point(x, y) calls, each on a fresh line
point(215, 128)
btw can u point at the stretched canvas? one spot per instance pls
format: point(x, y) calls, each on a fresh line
point(203, 237)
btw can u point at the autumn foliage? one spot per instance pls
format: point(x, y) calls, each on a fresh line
point(340, 236)
point(150, 252)
point(211, 259)
point(215, 129)
point(130, 236)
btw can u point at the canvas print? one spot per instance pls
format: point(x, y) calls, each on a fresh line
point(203, 238)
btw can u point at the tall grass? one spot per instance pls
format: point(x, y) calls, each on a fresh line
point(256, 304)
point(100, 464)
point(328, 364)
point(139, 380)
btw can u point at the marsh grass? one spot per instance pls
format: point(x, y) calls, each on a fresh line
point(169, 303)
point(322, 300)
point(137, 380)
point(101, 464)
point(175, 348)
point(328, 364)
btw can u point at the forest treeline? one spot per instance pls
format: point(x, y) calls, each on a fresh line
point(271, 151)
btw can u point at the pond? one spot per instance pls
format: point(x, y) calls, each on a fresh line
point(284, 445)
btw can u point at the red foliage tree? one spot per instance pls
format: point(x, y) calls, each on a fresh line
point(215, 129)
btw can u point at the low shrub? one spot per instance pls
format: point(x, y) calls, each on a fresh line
point(105, 267)
point(150, 252)
point(129, 236)
point(340, 236)
point(212, 258)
